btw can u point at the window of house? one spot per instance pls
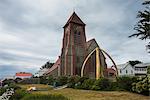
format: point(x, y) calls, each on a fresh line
point(120, 71)
point(136, 69)
point(126, 71)
point(141, 69)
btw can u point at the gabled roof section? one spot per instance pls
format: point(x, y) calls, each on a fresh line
point(88, 43)
point(142, 65)
point(123, 66)
point(74, 19)
point(56, 65)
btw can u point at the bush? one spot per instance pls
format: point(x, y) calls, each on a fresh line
point(20, 93)
point(2, 90)
point(14, 86)
point(78, 85)
point(50, 80)
point(8, 82)
point(142, 86)
point(44, 97)
point(114, 86)
point(125, 83)
point(101, 84)
point(62, 80)
point(72, 81)
point(87, 84)
point(43, 80)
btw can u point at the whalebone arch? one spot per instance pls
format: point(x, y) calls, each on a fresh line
point(99, 65)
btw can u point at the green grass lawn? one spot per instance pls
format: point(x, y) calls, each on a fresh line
point(75, 94)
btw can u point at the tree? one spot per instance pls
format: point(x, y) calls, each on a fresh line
point(134, 62)
point(143, 25)
point(47, 65)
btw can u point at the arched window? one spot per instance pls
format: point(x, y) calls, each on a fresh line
point(77, 37)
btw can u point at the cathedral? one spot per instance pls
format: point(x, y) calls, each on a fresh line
point(79, 56)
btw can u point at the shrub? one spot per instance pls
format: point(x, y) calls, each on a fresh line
point(2, 90)
point(101, 84)
point(142, 86)
point(82, 79)
point(43, 80)
point(50, 80)
point(20, 93)
point(44, 97)
point(14, 86)
point(78, 85)
point(72, 81)
point(62, 80)
point(87, 84)
point(8, 82)
point(125, 83)
point(114, 86)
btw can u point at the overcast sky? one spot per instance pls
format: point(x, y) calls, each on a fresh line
point(31, 30)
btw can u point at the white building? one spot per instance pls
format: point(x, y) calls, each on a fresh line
point(125, 69)
point(141, 69)
point(128, 70)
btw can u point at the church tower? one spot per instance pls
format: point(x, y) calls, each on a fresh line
point(73, 47)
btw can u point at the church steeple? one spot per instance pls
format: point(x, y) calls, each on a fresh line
point(73, 49)
point(74, 19)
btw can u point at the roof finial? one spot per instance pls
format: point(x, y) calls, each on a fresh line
point(73, 9)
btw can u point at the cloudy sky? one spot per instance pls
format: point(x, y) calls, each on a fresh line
point(31, 30)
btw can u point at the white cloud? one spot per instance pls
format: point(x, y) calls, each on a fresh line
point(31, 30)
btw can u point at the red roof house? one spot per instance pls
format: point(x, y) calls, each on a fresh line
point(23, 75)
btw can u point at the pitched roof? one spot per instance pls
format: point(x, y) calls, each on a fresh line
point(123, 66)
point(23, 74)
point(142, 65)
point(57, 63)
point(88, 43)
point(75, 19)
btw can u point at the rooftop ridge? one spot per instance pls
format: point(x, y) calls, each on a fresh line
point(72, 19)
